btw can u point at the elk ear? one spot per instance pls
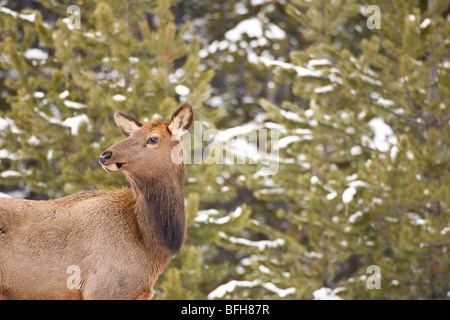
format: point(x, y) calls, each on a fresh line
point(126, 123)
point(181, 121)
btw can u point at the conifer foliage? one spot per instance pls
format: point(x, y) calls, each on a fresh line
point(357, 92)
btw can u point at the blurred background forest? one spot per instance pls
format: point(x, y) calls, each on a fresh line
point(359, 92)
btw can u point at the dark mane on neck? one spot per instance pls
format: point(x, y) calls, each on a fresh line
point(160, 213)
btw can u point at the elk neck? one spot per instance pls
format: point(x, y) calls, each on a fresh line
point(160, 212)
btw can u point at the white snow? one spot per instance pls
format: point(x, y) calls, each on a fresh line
point(314, 180)
point(324, 89)
point(258, 2)
point(254, 28)
point(416, 219)
point(410, 155)
point(229, 287)
point(356, 150)
point(357, 183)
point(36, 54)
point(347, 195)
point(215, 102)
point(7, 122)
point(242, 130)
point(284, 142)
point(301, 72)
point(331, 195)
point(384, 136)
point(327, 294)
point(4, 153)
point(261, 245)
point(74, 105)
point(445, 230)
point(10, 173)
point(205, 216)
point(292, 116)
point(370, 80)
point(119, 98)
point(274, 32)
point(88, 35)
point(133, 59)
point(240, 9)
point(265, 270)
point(74, 123)
point(4, 123)
point(318, 62)
point(64, 94)
point(38, 94)
point(34, 140)
point(355, 216)
point(384, 102)
point(28, 17)
point(182, 90)
point(425, 23)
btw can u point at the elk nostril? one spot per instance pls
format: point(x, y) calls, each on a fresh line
point(105, 156)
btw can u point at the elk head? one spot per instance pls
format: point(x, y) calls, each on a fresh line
point(147, 150)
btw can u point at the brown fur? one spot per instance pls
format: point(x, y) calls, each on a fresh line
point(121, 241)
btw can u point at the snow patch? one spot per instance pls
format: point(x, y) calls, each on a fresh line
point(254, 28)
point(347, 195)
point(284, 142)
point(10, 173)
point(74, 105)
point(36, 54)
point(327, 294)
point(229, 287)
point(205, 216)
point(301, 72)
point(425, 23)
point(38, 94)
point(64, 94)
point(28, 17)
point(119, 98)
point(182, 90)
point(355, 216)
point(331, 195)
point(324, 89)
point(384, 136)
point(318, 62)
point(261, 245)
point(356, 150)
point(74, 123)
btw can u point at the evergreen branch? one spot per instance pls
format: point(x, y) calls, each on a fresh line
point(400, 116)
point(347, 137)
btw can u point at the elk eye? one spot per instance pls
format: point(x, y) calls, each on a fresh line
point(152, 140)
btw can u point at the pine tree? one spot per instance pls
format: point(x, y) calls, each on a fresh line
point(362, 114)
point(63, 85)
point(368, 186)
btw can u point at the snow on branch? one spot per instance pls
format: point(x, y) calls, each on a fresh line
point(28, 17)
point(205, 216)
point(229, 287)
point(261, 245)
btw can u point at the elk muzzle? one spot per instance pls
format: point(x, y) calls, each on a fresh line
point(105, 156)
point(108, 165)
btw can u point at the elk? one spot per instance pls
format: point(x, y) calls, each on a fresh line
point(99, 244)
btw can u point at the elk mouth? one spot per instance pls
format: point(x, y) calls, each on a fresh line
point(112, 167)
